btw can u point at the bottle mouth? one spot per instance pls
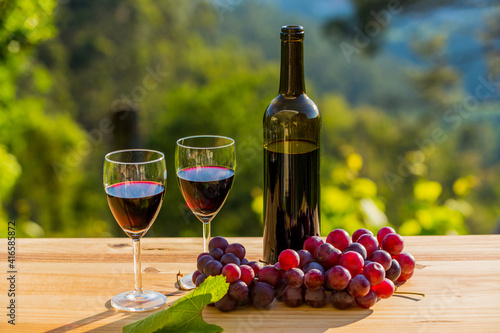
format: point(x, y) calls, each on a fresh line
point(291, 32)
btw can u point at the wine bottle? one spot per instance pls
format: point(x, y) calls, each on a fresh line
point(292, 126)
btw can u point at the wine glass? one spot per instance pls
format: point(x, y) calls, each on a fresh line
point(134, 181)
point(205, 167)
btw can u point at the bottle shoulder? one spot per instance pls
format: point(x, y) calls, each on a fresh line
point(301, 104)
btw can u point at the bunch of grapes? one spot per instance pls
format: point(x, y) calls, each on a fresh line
point(347, 271)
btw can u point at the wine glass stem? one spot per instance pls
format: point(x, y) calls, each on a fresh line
point(206, 235)
point(137, 266)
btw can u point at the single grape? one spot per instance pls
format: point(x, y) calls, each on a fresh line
point(232, 273)
point(201, 255)
point(200, 279)
point(314, 279)
point(294, 277)
point(353, 261)
point(293, 297)
point(218, 242)
point(278, 290)
point(359, 286)
point(256, 266)
point(369, 242)
point(315, 298)
point(337, 278)
point(360, 232)
point(225, 304)
point(327, 255)
point(313, 265)
point(312, 243)
point(237, 249)
point(393, 244)
point(394, 271)
point(244, 302)
point(269, 274)
point(339, 238)
point(247, 274)
point(203, 261)
point(367, 301)
point(404, 277)
point(238, 290)
point(262, 294)
point(382, 257)
point(385, 289)
point(341, 299)
point(289, 259)
point(244, 261)
point(367, 262)
point(406, 261)
point(229, 258)
point(374, 272)
point(195, 276)
point(356, 247)
point(305, 258)
point(213, 268)
point(384, 231)
point(216, 253)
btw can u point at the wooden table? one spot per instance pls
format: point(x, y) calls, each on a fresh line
point(66, 284)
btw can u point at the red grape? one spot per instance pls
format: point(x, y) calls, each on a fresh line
point(218, 242)
point(237, 249)
point(342, 299)
point(305, 257)
point(337, 278)
point(225, 304)
point(382, 257)
point(216, 253)
point(247, 274)
point(294, 277)
point(404, 277)
point(356, 247)
point(232, 273)
point(315, 298)
point(238, 290)
point(289, 259)
point(369, 242)
point(367, 301)
point(406, 261)
point(314, 279)
point(327, 255)
point(339, 238)
point(383, 232)
point(293, 297)
point(374, 272)
point(385, 289)
point(256, 266)
point(360, 232)
point(229, 258)
point(359, 286)
point(262, 294)
point(201, 255)
point(244, 261)
point(394, 244)
point(352, 261)
point(269, 274)
point(200, 279)
point(213, 268)
point(203, 261)
point(313, 265)
point(394, 271)
point(312, 243)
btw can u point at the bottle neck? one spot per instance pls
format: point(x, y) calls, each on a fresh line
point(292, 68)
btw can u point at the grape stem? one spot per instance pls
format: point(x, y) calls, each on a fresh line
point(408, 293)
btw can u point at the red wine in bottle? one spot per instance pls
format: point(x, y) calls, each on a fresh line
point(292, 126)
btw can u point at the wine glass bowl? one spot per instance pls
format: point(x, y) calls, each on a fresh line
point(205, 172)
point(134, 181)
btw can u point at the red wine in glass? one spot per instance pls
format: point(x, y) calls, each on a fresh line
point(205, 188)
point(135, 205)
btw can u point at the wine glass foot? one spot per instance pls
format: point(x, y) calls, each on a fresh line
point(132, 301)
point(186, 282)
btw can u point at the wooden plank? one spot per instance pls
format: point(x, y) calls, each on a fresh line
point(64, 285)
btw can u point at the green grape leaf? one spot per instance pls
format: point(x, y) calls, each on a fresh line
point(184, 315)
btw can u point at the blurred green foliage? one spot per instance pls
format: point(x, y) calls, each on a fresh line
point(82, 78)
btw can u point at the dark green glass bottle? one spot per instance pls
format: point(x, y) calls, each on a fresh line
point(292, 126)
